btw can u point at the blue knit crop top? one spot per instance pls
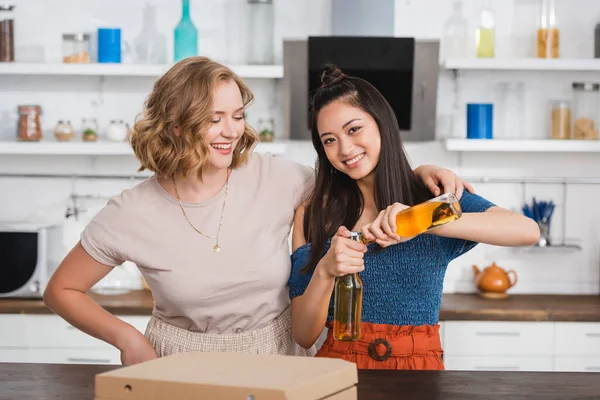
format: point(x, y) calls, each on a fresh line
point(402, 284)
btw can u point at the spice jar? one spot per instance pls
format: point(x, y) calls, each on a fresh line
point(7, 34)
point(89, 129)
point(29, 126)
point(117, 131)
point(76, 48)
point(548, 34)
point(64, 131)
point(586, 105)
point(560, 119)
point(266, 128)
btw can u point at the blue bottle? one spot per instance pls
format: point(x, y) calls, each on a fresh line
point(186, 35)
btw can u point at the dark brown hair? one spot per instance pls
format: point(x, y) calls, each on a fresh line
point(336, 199)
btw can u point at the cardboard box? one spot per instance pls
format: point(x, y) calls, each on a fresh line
point(239, 376)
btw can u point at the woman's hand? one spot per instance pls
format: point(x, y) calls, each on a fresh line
point(136, 349)
point(345, 256)
point(383, 229)
point(434, 176)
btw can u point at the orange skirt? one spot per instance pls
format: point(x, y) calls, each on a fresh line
point(389, 347)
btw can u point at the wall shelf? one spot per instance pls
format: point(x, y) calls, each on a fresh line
point(128, 70)
point(531, 64)
point(100, 148)
point(533, 146)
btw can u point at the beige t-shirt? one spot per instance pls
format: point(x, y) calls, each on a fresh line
point(244, 286)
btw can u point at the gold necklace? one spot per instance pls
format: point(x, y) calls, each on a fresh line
point(216, 248)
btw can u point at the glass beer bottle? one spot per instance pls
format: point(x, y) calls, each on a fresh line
point(347, 304)
point(425, 216)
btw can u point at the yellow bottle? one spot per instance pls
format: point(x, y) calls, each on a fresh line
point(486, 33)
point(347, 305)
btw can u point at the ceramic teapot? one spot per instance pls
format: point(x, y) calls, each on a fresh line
point(494, 281)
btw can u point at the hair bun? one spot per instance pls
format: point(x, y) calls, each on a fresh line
point(331, 74)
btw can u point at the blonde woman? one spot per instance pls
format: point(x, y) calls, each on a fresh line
point(209, 230)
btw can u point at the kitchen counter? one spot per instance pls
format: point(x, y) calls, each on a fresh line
point(455, 307)
point(75, 382)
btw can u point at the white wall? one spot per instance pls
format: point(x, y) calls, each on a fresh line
point(42, 23)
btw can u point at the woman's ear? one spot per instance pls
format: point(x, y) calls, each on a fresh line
point(176, 130)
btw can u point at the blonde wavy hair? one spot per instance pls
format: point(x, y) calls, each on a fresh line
point(182, 100)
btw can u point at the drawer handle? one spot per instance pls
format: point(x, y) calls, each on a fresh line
point(507, 368)
point(592, 369)
point(593, 335)
point(89, 360)
point(511, 334)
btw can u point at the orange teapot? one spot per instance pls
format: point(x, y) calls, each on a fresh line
point(494, 281)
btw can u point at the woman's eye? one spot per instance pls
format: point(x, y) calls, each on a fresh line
point(239, 117)
point(354, 129)
point(216, 121)
point(328, 140)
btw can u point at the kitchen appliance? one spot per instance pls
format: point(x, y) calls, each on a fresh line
point(404, 70)
point(30, 253)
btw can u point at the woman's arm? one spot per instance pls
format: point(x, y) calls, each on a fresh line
point(66, 295)
point(309, 310)
point(497, 226)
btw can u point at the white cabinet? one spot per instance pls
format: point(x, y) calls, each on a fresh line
point(50, 339)
point(577, 338)
point(478, 338)
point(521, 346)
point(497, 363)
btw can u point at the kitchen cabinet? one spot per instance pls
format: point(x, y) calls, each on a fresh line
point(50, 339)
point(468, 345)
point(521, 346)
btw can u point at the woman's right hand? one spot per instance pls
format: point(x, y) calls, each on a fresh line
point(345, 256)
point(136, 349)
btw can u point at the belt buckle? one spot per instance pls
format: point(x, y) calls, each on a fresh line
point(373, 350)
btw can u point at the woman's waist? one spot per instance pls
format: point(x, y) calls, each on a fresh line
point(390, 340)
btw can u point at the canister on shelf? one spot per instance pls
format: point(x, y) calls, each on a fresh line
point(76, 48)
point(586, 107)
point(29, 126)
point(560, 119)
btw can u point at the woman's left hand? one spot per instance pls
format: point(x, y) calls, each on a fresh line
point(434, 176)
point(383, 229)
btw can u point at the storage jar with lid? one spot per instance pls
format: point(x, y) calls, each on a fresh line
point(76, 48)
point(7, 33)
point(560, 119)
point(29, 126)
point(89, 129)
point(586, 107)
point(64, 131)
point(117, 131)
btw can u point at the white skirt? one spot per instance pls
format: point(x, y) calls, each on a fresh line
point(274, 338)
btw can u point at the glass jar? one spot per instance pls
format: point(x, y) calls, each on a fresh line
point(586, 105)
point(89, 129)
point(266, 130)
point(510, 111)
point(260, 32)
point(548, 34)
point(76, 48)
point(560, 119)
point(64, 131)
point(7, 33)
point(117, 131)
point(29, 126)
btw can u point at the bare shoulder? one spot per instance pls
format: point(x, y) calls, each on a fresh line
point(298, 238)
